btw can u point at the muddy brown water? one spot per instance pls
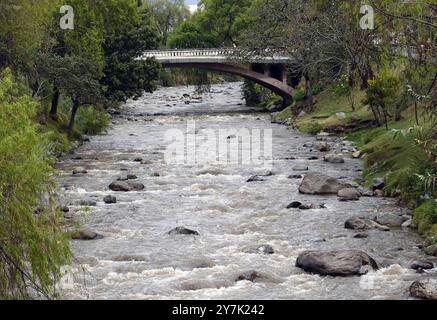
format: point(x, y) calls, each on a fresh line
point(137, 259)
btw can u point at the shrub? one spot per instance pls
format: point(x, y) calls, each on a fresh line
point(299, 95)
point(425, 216)
point(32, 246)
point(382, 95)
point(312, 128)
point(91, 121)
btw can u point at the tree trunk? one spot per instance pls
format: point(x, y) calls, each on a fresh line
point(76, 105)
point(376, 115)
point(55, 103)
point(309, 91)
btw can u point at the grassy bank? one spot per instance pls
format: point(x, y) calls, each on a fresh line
point(393, 154)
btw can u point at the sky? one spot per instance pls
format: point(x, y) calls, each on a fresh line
point(192, 4)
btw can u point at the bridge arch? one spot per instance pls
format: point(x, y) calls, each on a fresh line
point(264, 80)
point(263, 70)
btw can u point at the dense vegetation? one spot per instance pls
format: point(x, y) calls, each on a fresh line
point(378, 85)
point(55, 84)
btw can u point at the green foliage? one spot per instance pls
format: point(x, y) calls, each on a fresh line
point(190, 35)
point(342, 87)
point(299, 95)
point(125, 77)
point(32, 247)
point(257, 95)
point(169, 15)
point(23, 25)
point(87, 37)
point(312, 128)
point(381, 96)
point(75, 76)
point(91, 121)
point(425, 216)
point(224, 20)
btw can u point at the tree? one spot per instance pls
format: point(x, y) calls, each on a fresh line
point(124, 75)
point(33, 246)
point(75, 77)
point(23, 25)
point(381, 96)
point(224, 19)
point(169, 15)
point(190, 35)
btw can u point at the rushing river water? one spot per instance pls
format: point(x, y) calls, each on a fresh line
point(137, 259)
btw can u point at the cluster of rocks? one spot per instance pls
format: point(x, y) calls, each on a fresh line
point(301, 206)
point(188, 99)
point(259, 177)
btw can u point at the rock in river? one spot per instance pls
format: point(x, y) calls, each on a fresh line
point(249, 276)
point(80, 171)
point(294, 205)
point(358, 223)
point(255, 179)
point(126, 186)
point(323, 146)
point(336, 263)
point(317, 183)
point(85, 234)
point(87, 203)
point(348, 194)
point(424, 265)
point(183, 231)
point(333, 158)
point(110, 200)
point(264, 249)
point(424, 290)
point(301, 167)
point(431, 250)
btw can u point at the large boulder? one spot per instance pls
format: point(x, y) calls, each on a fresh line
point(336, 263)
point(126, 186)
point(357, 223)
point(317, 183)
point(424, 290)
point(390, 220)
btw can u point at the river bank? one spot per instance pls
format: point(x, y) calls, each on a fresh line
point(136, 258)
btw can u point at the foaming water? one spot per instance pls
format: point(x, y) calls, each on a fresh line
point(137, 259)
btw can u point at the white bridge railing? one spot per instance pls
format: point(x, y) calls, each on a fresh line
point(212, 54)
point(189, 53)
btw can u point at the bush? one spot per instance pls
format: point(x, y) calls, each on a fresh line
point(91, 121)
point(299, 95)
point(312, 128)
point(425, 216)
point(32, 246)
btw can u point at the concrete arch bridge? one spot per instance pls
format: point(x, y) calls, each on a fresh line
point(269, 70)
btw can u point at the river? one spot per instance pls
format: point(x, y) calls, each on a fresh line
point(138, 259)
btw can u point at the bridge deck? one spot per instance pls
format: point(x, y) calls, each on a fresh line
point(213, 56)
